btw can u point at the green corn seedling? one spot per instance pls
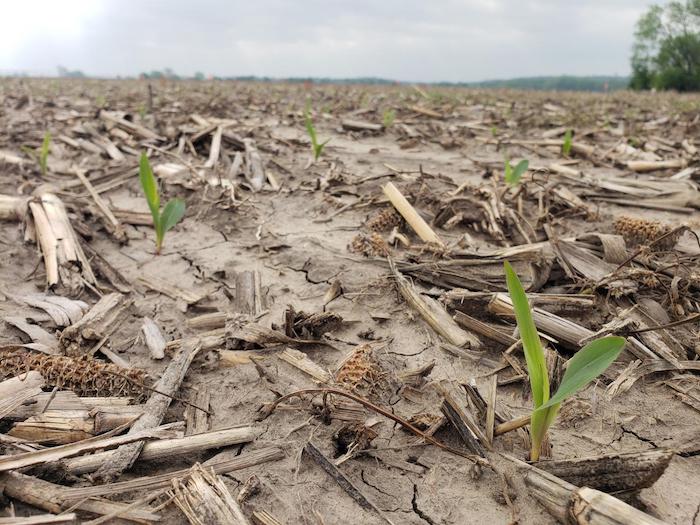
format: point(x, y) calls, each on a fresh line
point(566, 147)
point(44, 154)
point(173, 211)
point(587, 364)
point(514, 174)
point(316, 147)
point(388, 118)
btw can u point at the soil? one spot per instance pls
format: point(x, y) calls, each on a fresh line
point(297, 238)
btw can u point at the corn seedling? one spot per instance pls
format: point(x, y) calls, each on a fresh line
point(388, 117)
point(173, 211)
point(514, 174)
point(44, 154)
point(566, 147)
point(588, 363)
point(316, 147)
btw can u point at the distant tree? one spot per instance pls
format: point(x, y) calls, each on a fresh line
point(169, 73)
point(666, 52)
point(199, 75)
point(66, 73)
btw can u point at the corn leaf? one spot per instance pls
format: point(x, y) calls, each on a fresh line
point(588, 363)
point(532, 346)
point(44, 153)
point(566, 147)
point(311, 130)
point(518, 172)
point(150, 189)
point(172, 213)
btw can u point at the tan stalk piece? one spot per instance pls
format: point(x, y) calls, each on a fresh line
point(409, 213)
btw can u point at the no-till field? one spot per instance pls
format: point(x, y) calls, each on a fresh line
point(280, 275)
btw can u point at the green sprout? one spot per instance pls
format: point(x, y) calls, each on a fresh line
point(566, 147)
point(142, 111)
point(44, 154)
point(588, 363)
point(315, 145)
point(388, 117)
point(514, 174)
point(173, 211)
point(494, 131)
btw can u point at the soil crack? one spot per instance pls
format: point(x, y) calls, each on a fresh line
point(362, 477)
point(640, 438)
point(414, 503)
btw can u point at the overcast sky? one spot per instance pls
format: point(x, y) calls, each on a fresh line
point(412, 40)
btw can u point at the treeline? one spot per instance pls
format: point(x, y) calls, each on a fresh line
point(560, 83)
point(550, 83)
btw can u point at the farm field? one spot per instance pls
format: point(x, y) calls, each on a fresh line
point(368, 281)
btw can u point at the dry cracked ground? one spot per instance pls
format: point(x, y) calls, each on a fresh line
point(269, 237)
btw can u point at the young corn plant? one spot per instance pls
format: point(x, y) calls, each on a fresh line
point(587, 364)
point(566, 147)
point(316, 147)
point(173, 211)
point(388, 118)
point(514, 174)
point(44, 154)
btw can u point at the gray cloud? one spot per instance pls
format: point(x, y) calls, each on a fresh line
point(403, 39)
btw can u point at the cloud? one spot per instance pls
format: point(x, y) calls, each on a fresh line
point(401, 39)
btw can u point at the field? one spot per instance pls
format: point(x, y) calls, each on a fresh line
point(288, 274)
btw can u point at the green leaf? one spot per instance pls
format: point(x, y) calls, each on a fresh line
point(532, 346)
point(588, 363)
point(310, 129)
point(172, 213)
point(44, 153)
point(318, 149)
point(150, 189)
point(566, 147)
point(508, 176)
point(513, 175)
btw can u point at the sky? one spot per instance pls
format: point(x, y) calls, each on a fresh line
point(407, 40)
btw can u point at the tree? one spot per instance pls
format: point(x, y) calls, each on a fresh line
point(666, 52)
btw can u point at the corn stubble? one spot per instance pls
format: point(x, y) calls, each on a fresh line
point(638, 231)
point(83, 375)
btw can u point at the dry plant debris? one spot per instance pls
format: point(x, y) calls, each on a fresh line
point(83, 375)
point(637, 231)
point(251, 277)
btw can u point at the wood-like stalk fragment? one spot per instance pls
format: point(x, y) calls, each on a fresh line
point(579, 506)
point(204, 498)
point(52, 498)
point(154, 411)
point(167, 448)
point(612, 473)
point(12, 208)
point(101, 321)
point(17, 390)
point(342, 480)
point(220, 466)
point(433, 313)
point(111, 222)
point(409, 213)
point(48, 455)
point(155, 342)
